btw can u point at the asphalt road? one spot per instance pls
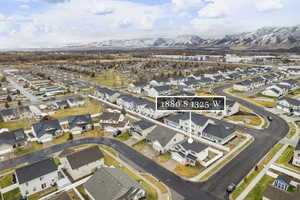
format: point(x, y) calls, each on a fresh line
point(215, 187)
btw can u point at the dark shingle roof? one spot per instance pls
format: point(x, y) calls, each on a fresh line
point(143, 124)
point(291, 101)
point(161, 134)
point(46, 126)
point(35, 170)
point(85, 156)
point(13, 137)
point(194, 146)
point(110, 116)
point(298, 145)
point(218, 130)
point(79, 120)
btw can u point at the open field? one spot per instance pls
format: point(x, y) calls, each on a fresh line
point(257, 191)
point(13, 125)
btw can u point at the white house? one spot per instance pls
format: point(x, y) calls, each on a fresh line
point(162, 139)
point(140, 129)
point(137, 87)
point(81, 163)
point(11, 140)
point(189, 153)
point(80, 123)
point(36, 177)
point(289, 105)
point(158, 91)
point(45, 130)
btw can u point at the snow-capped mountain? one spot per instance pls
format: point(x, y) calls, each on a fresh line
point(267, 37)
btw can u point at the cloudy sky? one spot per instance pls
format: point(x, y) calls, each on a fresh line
point(50, 23)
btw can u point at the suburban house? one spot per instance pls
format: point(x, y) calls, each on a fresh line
point(113, 184)
point(245, 85)
point(296, 157)
point(80, 123)
point(292, 83)
point(45, 130)
point(140, 129)
point(183, 93)
point(8, 114)
point(11, 140)
point(37, 176)
point(189, 153)
point(218, 133)
point(63, 104)
point(272, 92)
point(282, 182)
point(182, 121)
point(111, 118)
point(162, 139)
point(289, 105)
point(79, 164)
point(76, 101)
point(158, 91)
point(106, 94)
point(23, 112)
point(137, 87)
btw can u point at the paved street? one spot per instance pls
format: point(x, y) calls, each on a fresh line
point(215, 187)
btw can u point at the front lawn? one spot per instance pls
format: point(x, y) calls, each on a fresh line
point(257, 191)
point(13, 125)
point(164, 157)
point(267, 104)
point(286, 158)
point(124, 136)
point(33, 146)
point(292, 131)
point(90, 107)
point(12, 195)
point(188, 171)
point(6, 180)
point(250, 120)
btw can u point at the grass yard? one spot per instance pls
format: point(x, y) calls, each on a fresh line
point(111, 79)
point(153, 180)
point(245, 109)
point(124, 136)
point(12, 195)
point(34, 146)
point(286, 158)
point(110, 150)
point(13, 125)
point(254, 173)
point(41, 194)
point(164, 157)
point(233, 91)
point(188, 171)
point(267, 104)
point(293, 93)
point(293, 130)
point(91, 107)
point(6, 180)
point(250, 120)
point(257, 191)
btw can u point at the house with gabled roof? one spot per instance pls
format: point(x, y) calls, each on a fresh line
point(162, 139)
point(137, 87)
point(189, 153)
point(11, 140)
point(289, 105)
point(37, 176)
point(140, 129)
point(76, 101)
point(218, 133)
point(113, 184)
point(80, 123)
point(46, 130)
point(158, 91)
point(79, 164)
point(8, 114)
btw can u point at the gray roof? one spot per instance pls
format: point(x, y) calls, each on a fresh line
point(218, 130)
point(198, 119)
point(46, 127)
point(139, 84)
point(162, 88)
point(110, 116)
point(143, 124)
point(194, 146)
point(284, 178)
point(79, 120)
point(13, 137)
point(35, 170)
point(110, 184)
point(161, 134)
point(7, 112)
point(183, 93)
point(80, 158)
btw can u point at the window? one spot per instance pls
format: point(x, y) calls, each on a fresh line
point(44, 185)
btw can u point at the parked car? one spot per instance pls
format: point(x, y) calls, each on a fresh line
point(270, 118)
point(117, 133)
point(230, 188)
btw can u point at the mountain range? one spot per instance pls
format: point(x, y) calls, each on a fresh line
point(266, 37)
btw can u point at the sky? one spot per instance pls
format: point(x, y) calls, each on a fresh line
point(55, 23)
